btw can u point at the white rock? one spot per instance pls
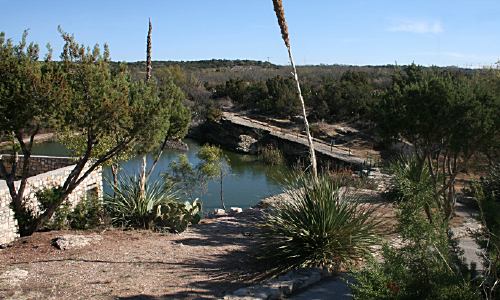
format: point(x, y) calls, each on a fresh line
point(236, 210)
point(70, 241)
point(219, 212)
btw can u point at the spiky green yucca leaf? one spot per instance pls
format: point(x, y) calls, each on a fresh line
point(129, 209)
point(320, 226)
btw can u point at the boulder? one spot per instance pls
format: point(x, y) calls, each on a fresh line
point(246, 144)
point(70, 241)
point(219, 212)
point(236, 210)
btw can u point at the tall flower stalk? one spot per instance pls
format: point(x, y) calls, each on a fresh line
point(280, 14)
point(149, 68)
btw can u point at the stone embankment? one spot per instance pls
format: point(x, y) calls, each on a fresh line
point(246, 135)
point(280, 287)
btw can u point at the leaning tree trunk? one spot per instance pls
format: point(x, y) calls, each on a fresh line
point(280, 14)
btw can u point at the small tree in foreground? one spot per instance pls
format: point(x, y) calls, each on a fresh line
point(487, 193)
point(33, 97)
point(213, 165)
point(98, 104)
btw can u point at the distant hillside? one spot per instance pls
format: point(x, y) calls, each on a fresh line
point(216, 71)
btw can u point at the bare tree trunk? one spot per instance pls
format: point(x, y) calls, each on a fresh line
point(221, 190)
point(142, 191)
point(158, 156)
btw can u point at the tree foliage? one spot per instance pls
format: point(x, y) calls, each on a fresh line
point(96, 106)
point(33, 96)
point(446, 117)
point(426, 263)
point(213, 165)
point(275, 96)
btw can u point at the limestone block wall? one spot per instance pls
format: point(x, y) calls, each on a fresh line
point(8, 225)
point(38, 164)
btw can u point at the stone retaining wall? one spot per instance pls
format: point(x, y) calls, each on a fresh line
point(38, 164)
point(91, 185)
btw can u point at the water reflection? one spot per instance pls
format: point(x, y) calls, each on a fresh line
point(248, 182)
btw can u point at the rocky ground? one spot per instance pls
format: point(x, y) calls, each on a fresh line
point(206, 261)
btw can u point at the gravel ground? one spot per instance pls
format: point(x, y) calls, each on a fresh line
point(204, 262)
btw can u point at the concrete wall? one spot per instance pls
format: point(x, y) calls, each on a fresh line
point(52, 178)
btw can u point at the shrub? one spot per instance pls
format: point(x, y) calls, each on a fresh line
point(159, 209)
point(315, 130)
point(487, 193)
point(214, 114)
point(127, 208)
point(318, 227)
point(25, 218)
point(271, 155)
point(428, 264)
point(59, 220)
point(345, 177)
point(45, 197)
point(175, 216)
point(410, 274)
point(87, 214)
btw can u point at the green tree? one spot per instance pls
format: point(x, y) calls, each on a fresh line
point(104, 106)
point(282, 97)
point(447, 118)
point(33, 96)
point(348, 98)
point(214, 164)
point(185, 176)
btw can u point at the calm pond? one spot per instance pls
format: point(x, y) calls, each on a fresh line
point(249, 179)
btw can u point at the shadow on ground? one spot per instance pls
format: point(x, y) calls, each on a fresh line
point(224, 272)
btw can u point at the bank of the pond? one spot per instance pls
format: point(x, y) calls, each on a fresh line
point(249, 179)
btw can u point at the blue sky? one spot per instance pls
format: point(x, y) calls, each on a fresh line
point(359, 32)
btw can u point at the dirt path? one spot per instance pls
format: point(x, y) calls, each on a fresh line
point(203, 263)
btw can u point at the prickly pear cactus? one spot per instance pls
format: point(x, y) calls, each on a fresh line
point(175, 217)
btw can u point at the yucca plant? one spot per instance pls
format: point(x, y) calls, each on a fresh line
point(412, 180)
point(318, 226)
point(129, 207)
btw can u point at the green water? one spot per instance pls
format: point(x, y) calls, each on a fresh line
point(249, 179)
